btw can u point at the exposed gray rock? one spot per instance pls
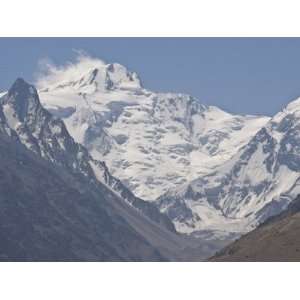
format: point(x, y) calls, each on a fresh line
point(277, 239)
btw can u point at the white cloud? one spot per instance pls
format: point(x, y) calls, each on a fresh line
point(49, 74)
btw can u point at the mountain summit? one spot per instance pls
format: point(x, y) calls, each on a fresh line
point(22, 101)
point(89, 75)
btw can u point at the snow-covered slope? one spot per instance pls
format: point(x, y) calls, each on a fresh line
point(259, 181)
point(152, 141)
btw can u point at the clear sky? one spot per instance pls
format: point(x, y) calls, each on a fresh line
point(242, 75)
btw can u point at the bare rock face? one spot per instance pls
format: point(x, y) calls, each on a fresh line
point(277, 239)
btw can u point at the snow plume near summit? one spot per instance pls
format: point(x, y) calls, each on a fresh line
point(85, 73)
point(50, 74)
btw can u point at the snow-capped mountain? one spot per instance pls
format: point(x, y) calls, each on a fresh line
point(152, 141)
point(259, 181)
point(58, 203)
point(24, 117)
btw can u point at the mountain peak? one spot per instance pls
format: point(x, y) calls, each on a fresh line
point(88, 75)
point(23, 87)
point(22, 98)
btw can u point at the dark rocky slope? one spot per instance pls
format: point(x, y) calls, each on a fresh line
point(277, 239)
point(44, 217)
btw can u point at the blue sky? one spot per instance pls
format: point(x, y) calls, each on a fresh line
point(241, 75)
